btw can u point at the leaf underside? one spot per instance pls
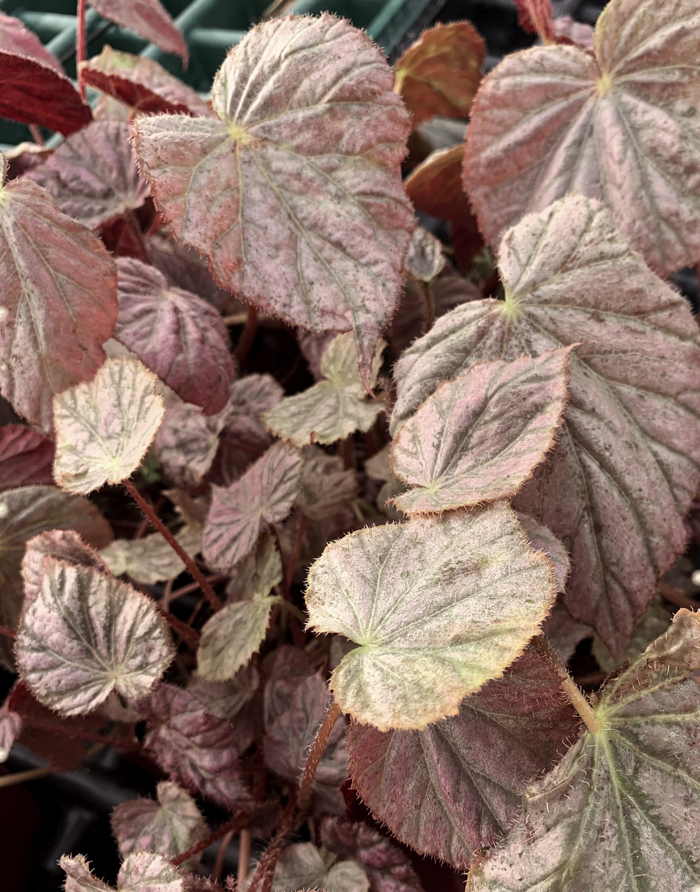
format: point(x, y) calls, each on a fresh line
point(147, 18)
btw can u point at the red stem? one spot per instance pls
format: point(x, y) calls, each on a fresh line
point(189, 635)
point(247, 336)
point(80, 46)
point(234, 825)
point(8, 632)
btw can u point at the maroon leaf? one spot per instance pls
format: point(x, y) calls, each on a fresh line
point(147, 18)
point(54, 271)
point(26, 457)
point(141, 83)
point(294, 195)
point(466, 776)
point(34, 88)
point(93, 175)
point(196, 747)
point(286, 668)
point(177, 335)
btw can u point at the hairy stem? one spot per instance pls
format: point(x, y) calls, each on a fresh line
point(244, 846)
point(573, 692)
point(429, 303)
point(189, 636)
point(247, 337)
point(220, 856)
point(158, 524)
point(318, 748)
point(234, 825)
point(80, 45)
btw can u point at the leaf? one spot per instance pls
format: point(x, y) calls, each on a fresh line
point(335, 407)
point(542, 539)
point(425, 260)
point(286, 668)
point(26, 457)
point(151, 559)
point(479, 437)
point(257, 574)
point(566, 30)
point(652, 624)
point(92, 176)
point(85, 635)
point(468, 773)
point(440, 73)
point(289, 737)
point(148, 19)
point(197, 748)
point(536, 16)
point(623, 803)
point(625, 456)
point(54, 271)
point(10, 727)
point(238, 514)
point(35, 89)
point(437, 606)
point(186, 443)
point(169, 826)
point(140, 872)
point(177, 335)
point(327, 486)
point(294, 194)
point(141, 83)
point(105, 426)
point(226, 699)
point(26, 512)
point(303, 866)
point(231, 637)
point(621, 126)
point(54, 545)
point(563, 632)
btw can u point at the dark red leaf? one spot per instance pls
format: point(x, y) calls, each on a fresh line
point(147, 18)
point(26, 457)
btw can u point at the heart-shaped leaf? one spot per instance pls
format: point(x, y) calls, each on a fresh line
point(238, 514)
point(140, 872)
point(92, 176)
point(620, 811)
point(303, 866)
point(148, 19)
point(294, 192)
point(26, 457)
point(105, 426)
point(169, 826)
point(179, 336)
point(468, 773)
point(35, 89)
point(85, 635)
point(625, 456)
point(151, 559)
point(54, 545)
point(141, 83)
point(231, 637)
point(53, 271)
point(479, 437)
point(440, 72)
point(622, 126)
point(335, 407)
point(437, 606)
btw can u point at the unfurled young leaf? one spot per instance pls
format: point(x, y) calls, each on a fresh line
point(105, 426)
point(467, 773)
point(141, 83)
point(479, 437)
point(140, 872)
point(35, 90)
point(294, 192)
point(196, 747)
point(53, 271)
point(86, 634)
point(335, 407)
point(179, 336)
point(437, 606)
point(10, 727)
point(26, 457)
point(327, 487)
point(92, 176)
point(148, 19)
point(239, 513)
point(232, 636)
point(169, 826)
point(621, 126)
point(303, 866)
point(622, 475)
point(289, 737)
point(440, 72)
point(151, 559)
point(425, 260)
point(620, 811)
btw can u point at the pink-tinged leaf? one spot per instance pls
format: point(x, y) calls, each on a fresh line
point(626, 455)
point(563, 632)
point(286, 668)
point(26, 457)
point(169, 826)
point(438, 606)
point(150, 559)
point(304, 868)
point(620, 811)
point(653, 623)
point(226, 699)
point(239, 513)
point(440, 73)
point(197, 748)
point(566, 30)
point(10, 727)
point(105, 426)
point(467, 773)
point(84, 635)
point(186, 443)
point(141, 83)
point(622, 126)
point(479, 437)
point(232, 635)
point(93, 176)
point(387, 867)
point(543, 539)
point(537, 17)
point(53, 271)
point(294, 193)
point(289, 737)
point(148, 19)
point(327, 486)
point(35, 89)
point(179, 336)
point(60, 545)
point(24, 157)
point(26, 512)
point(140, 872)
